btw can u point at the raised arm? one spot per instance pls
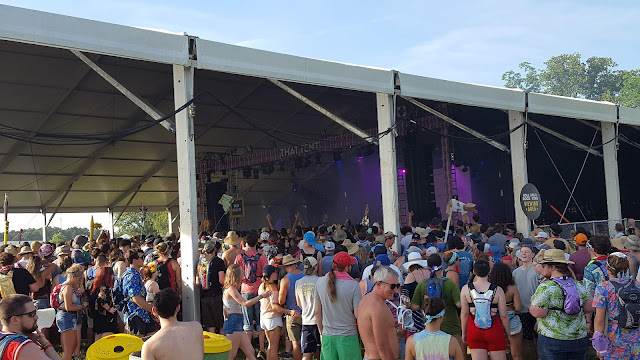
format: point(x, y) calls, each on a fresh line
point(270, 223)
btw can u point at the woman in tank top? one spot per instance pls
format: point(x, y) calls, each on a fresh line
point(432, 343)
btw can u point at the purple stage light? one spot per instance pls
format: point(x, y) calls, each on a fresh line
point(402, 171)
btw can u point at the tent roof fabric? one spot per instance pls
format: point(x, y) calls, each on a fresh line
point(47, 89)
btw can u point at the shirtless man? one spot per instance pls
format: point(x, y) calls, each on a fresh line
point(175, 339)
point(230, 255)
point(376, 323)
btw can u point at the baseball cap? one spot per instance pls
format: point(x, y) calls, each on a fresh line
point(431, 250)
point(389, 235)
point(264, 236)
point(379, 249)
point(343, 259)
point(310, 238)
point(542, 234)
point(415, 236)
point(330, 246)
point(268, 270)
point(382, 260)
point(581, 238)
point(411, 249)
point(309, 262)
point(485, 248)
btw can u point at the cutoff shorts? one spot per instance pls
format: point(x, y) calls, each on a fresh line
point(68, 320)
point(234, 323)
point(514, 322)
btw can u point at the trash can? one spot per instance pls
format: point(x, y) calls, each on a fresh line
point(114, 347)
point(216, 347)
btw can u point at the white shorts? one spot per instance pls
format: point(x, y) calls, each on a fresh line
point(270, 323)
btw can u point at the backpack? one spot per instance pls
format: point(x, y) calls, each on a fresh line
point(250, 268)
point(571, 296)
point(6, 284)
point(164, 278)
point(90, 278)
point(117, 293)
point(433, 287)
point(482, 302)
point(603, 268)
point(54, 298)
point(628, 304)
point(203, 274)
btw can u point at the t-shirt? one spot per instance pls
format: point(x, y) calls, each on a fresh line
point(605, 297)
point(580, 258)
point(367, 272)
point(594, 275)
point(305, 291)
point(466, 267)
point(215, 266)
point(498, 241)
point(21, 280)
point(338, 317)
point(558, 324)
point(327, 262)
point(451, 296)
point(526, 280)
point(262, 262)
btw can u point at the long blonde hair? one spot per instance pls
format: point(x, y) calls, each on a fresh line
point(233, 277)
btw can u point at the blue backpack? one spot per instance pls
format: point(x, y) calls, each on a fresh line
point(433, 287)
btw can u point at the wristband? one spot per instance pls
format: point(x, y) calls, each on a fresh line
point(45, 346)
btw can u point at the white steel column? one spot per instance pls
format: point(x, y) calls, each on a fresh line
point(388, 169)
point(186, 154)
point(44, 227)
point(611, 180)
point(113, 225)
point(173, 215)
point(518, 169)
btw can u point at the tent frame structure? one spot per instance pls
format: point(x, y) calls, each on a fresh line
point(89, 40)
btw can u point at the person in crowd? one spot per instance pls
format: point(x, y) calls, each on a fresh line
point(624, 341)
point(581, 257)
point(252, 264)
point(337, 298)
point(20, 337)
point(501, 276)
point(25, 255)
point(417, 271)
point(287, 296)
point(168, 269)
point(433, 343)
point(596, 272)
point(498, 238)
point(443, 288)
point(310, 250)
point(327, 259)
point(211, 270)
point(175, 339)
point(631, 244)
point(389, 240)
point(381, 250)
point(271, 311)
point(456, 244)
point(527, 280)
point(120, 266)
point(101, 305)
point(310, 342)
point(22, 282)
point(233, 240)
point(562, 327)
point(451, 264)
point(149, 275)
point(69, 314)
point(137, 312)
point(484, 316)
point(619, 231)
point(233, 302)
point(375, 323)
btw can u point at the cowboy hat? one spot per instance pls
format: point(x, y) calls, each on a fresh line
point(553, 256)
point(232, 238)
point(351, 247)
point(289, 260)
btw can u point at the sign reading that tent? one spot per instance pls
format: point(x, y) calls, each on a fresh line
point(531, 201)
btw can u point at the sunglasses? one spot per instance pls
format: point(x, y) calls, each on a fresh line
point(393, 286)
point(31, 314)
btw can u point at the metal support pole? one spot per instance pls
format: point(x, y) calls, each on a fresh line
point(112, 224)
point(611, 180)
point(388, 169)
point(519, 169)
point(186, 155)
point(44, 226)
point(173, 216)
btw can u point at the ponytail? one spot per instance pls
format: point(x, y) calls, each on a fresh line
point(331, 286)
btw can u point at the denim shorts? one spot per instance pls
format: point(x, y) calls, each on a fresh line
point(68, 320)
point(234, 323)
point(514, 323)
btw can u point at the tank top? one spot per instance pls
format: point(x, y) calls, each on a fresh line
point(231, 304)
point(432, 345)
point(291, 303)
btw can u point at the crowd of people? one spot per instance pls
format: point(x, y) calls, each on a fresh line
point(335, 292)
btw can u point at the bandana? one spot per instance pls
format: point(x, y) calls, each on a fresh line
point(430, 318)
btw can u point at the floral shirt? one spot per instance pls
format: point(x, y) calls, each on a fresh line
point(605, 297)
point(594, 275)
point(132, 285)
point(558, 324)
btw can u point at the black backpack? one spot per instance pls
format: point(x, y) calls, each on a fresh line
point(117, 294)
point(164, 276)
point(250, 268)
point(628, 304)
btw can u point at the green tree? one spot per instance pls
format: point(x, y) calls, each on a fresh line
point(58, 238)
point(630, 93)
point(131, 223)
point(530, 82)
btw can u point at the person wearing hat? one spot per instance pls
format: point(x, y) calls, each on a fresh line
point(25, 254)
point(631, 244)
point(305, 292)
point(381, 250)
point(339, 236)
point(389, 241)
point(310, 249)
point(337, 299)
point(366, 284)
point(287, 296)
point(560, 335)
point(210, 278)
point(327, 258)
point(375, 323)
point(232, 239)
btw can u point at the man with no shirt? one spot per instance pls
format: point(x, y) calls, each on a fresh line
point(376, 324)
point(176, 339)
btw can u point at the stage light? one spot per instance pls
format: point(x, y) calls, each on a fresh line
point(295, 188)
point(402, 171)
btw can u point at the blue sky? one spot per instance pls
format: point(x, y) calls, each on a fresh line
point(470, 41)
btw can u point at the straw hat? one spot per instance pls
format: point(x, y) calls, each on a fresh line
point(11, 249)
point(232, 238)
point(553, 256)
point(351, 247)
point(289, 260)
point(25, 250)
